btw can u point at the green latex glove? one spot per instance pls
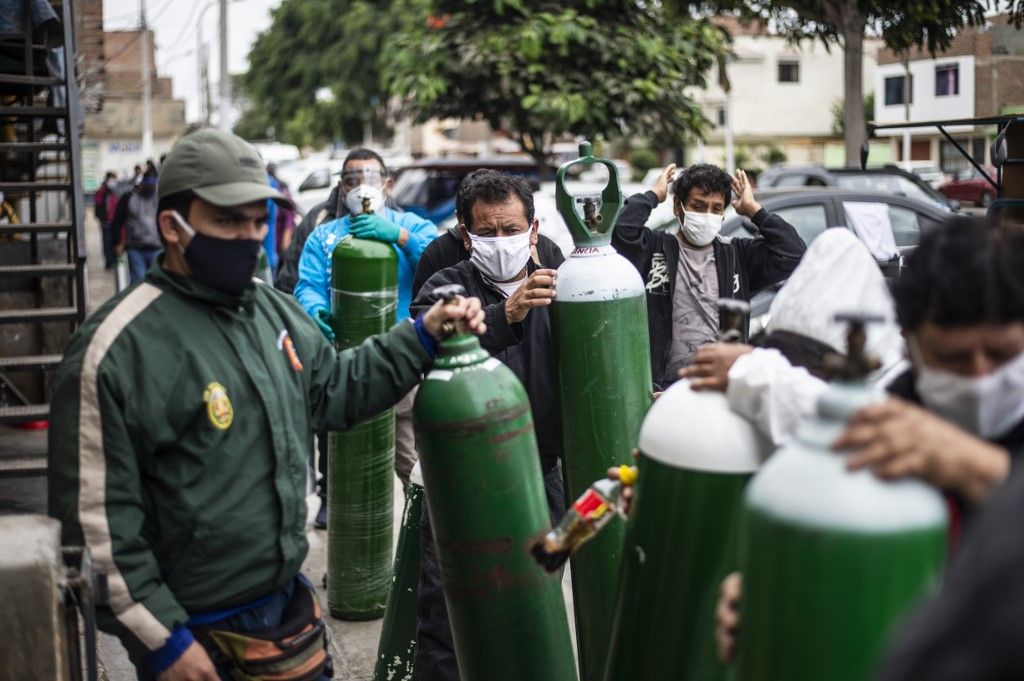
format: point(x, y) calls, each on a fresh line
point(373, 226)
point(325, 322)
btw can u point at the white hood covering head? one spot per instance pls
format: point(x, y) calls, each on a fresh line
point(837, 274)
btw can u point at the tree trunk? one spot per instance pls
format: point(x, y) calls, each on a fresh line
point(851, 27)
point(533, 144)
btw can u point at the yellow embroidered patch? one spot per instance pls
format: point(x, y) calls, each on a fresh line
point(218, 406)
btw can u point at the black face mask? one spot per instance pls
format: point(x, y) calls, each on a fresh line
point(224, 264)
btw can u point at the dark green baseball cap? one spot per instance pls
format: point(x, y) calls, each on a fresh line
point(219, 167)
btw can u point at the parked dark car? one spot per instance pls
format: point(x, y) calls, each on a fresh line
point(969, 185)
point(812, 210)
point(427, 188)
point(890, 180)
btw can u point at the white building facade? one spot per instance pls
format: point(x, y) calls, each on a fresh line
point(939, 89)
point(782, 99)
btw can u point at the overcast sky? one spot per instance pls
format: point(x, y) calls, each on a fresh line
point(176, 25)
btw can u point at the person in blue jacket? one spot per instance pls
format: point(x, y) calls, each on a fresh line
point(364, 175)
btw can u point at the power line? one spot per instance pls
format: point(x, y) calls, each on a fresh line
point(184, 30)
point(124, 48)
point(162, 10)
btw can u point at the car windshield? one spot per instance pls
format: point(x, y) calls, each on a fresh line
point(883, 182)
point(410, 187)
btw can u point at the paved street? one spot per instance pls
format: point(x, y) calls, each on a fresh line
point(353, 644)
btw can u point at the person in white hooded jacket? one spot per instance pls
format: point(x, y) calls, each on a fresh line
point(778, 384)
point(955, 421)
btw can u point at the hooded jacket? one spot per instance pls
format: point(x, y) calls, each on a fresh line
point(837, 275)
point(134, 222)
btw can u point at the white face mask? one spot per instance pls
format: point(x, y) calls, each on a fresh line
point(700, 229)
point(354, 198)
point(500, 258)
point(988, 406)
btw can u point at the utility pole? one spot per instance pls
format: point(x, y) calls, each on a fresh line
point(203, 64)
point(225, 79)
point(203, 75)
point(907, 89)
point(726, 85)
point(147, 94)
point(730, 150)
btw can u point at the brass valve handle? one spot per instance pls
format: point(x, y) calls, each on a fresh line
point(857, 364)
point(448, 294)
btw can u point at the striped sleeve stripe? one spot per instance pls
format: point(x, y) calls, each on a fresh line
point(92, 511)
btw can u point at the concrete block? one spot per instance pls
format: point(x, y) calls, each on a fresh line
point(31, 628)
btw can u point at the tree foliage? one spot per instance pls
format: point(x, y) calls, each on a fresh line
point(316, 44)
point(541, 69)
point(837, 112)
point(928, 24)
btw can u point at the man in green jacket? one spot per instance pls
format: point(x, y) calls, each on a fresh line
point(182, 413)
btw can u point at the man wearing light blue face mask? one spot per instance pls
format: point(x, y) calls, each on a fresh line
point(688, 270)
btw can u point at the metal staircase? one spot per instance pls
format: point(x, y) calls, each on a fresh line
point(42, 246)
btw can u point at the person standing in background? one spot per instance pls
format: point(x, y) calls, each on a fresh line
point(285, 216)
point(104, 203)
point(134, 227)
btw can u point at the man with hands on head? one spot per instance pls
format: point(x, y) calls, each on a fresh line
point(498, 230)
point(181, 415)
point(686, 271)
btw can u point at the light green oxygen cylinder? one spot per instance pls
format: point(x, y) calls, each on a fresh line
point(831, 559)
point(599, 328)
point(485, 497)
point(396, 648)
point(364, 281)
point(696, 457)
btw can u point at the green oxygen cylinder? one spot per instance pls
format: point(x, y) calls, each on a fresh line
point(831, 559)
point(696, 457)
point(599, 328)
point(360, 493)
point(485, 497)
point(397, 646)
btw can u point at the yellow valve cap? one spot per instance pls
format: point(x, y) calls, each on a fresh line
point(627, 474)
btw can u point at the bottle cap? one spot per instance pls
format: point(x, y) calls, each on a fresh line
point(627, 474)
